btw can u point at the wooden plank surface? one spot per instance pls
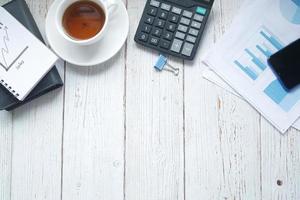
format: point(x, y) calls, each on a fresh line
point(93, 142)
point(37, 132)
point(280, 163)
point(222, 145)
point(122, 131)
point(154, 123)
point(6, 127)
point(94, 132)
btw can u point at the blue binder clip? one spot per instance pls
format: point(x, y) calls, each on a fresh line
point(162, 64)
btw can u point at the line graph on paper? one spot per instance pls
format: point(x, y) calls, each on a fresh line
point(8, 57)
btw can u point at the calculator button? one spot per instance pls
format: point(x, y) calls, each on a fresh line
point(152, 11)
point(196, 25)
point(180, 35)
point(193, 32)
point(187, 14)
point(159, 23)
point(168, 36)
point(143, 37)
point(173, 18)
point(187, 49)
point(185, 21)
point(164, 44)
point(163, 14)
point(171, 27)
point(176, 10)
point(149, 20)
point(154, 41)
point(191, 39)
point(157, 32)
point(176, 46)
point(200, 10)
point(198, 18)
point(182, 28)
point(154, 3)
point(146, 28)
point(165, 6)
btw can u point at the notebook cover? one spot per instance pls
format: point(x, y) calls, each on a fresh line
point(20, 10)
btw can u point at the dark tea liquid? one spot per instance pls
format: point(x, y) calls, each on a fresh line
point(83, 19)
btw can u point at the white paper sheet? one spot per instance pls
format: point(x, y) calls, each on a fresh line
point(261, 29)
point(214, 78)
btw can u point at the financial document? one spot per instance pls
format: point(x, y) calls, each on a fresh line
point(216, 79)
point(262, 28)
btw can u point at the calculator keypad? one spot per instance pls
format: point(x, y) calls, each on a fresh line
point(165, 44)
point(172, 29)
point(149, 20)
point(154, 3)
point(176, 46)
point(143, 37)
point(163, 15)
point(187, 14)
point(168, 36)
point(146, 28)
point(166, 7)
point(154, 41)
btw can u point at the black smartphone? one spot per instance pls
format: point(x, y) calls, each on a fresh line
point(286, 65)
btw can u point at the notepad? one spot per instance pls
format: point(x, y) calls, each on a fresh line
point(24, 60)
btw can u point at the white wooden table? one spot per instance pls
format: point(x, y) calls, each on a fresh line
point(122, 131)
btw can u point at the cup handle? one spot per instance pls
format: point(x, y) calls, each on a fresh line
point(112, 6)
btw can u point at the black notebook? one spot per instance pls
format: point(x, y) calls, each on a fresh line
point(20, 10)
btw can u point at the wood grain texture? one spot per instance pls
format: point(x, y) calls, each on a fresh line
point(94, 136)
point(280, 163)
point(93, 142)
point(94, 132)
point(6, 125)
point(37, 132)
point(222, 132)
point(154, 123)
point(122, 131)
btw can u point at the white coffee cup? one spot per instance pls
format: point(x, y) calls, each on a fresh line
point(108, 6)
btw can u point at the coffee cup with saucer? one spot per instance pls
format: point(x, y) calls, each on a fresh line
point(92, 51)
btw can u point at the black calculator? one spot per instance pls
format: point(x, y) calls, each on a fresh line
point(173, 27)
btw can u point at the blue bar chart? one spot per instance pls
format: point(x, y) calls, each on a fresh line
point(263, 49)
point(252, 74)
point(253, 60)
point(256, 60)
point(272, 39)
point(286, 100)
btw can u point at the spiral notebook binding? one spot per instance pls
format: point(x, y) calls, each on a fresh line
point(12, 91)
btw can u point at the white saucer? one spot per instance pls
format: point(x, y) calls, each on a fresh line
point(107, 47)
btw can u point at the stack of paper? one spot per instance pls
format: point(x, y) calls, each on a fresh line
point(262, 28)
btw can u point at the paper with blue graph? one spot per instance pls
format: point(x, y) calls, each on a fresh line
point(262, 28)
